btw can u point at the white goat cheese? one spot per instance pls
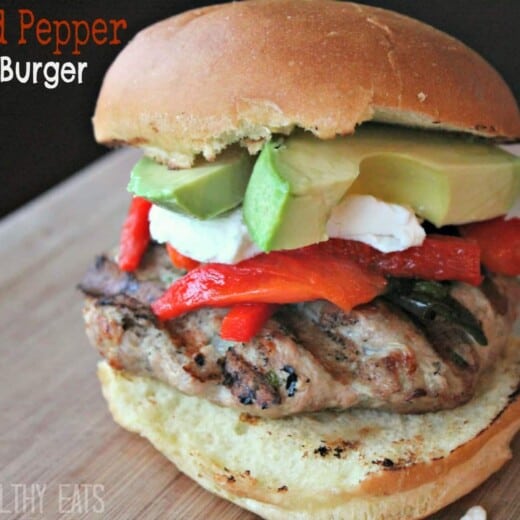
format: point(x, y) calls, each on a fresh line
point(386, 227)
point(225, 239)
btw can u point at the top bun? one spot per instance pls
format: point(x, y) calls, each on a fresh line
point(198, 82)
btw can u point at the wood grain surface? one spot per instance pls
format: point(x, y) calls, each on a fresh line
point(56, 436)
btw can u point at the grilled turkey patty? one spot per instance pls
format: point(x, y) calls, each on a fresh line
point(308, 357)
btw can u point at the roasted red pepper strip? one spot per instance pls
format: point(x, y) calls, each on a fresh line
point(439, 257)
point(179, 260)
point(135, 235)
point(277, 277)
point(244, 321)
point(499, 241)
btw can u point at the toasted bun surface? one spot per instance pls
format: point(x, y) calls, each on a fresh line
point(238, 72)
point(357, 465)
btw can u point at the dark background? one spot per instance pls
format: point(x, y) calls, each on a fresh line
point(45, 135)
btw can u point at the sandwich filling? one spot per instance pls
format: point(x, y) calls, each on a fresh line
point(373, 271)
point(305, 280)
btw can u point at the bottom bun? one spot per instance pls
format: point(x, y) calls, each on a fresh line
point(360, 464)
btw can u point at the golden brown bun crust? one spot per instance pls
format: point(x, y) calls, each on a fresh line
point(238, 72)
point(357, 465)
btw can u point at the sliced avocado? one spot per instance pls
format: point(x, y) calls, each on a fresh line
point(445, 178)
point(204, 191)
point(292, 190)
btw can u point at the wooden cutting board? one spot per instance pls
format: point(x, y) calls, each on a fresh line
point(61, 456)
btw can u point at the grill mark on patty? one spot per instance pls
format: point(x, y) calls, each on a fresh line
point(336, 353)
point(247, 383)
point(495, 297)
point(195, 350)
point(454, 346)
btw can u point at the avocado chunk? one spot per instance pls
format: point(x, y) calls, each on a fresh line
point(293, 188)
point(444, 178)
point(204, 191)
